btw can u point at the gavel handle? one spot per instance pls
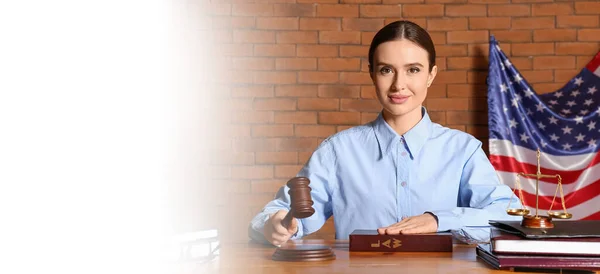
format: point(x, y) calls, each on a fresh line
point(287, 220)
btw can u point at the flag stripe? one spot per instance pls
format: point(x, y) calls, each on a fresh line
point(500, 147)
point(594, 65)
point(546, 187)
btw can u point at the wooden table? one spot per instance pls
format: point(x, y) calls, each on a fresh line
point(254, 258)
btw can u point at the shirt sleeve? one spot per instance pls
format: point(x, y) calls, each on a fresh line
point(481, 198)
point(318, 170)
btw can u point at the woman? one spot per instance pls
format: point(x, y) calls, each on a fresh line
point(400, 173)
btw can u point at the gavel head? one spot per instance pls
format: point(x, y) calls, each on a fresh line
point(301, 201)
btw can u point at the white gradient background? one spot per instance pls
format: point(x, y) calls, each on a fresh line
point(106, 111)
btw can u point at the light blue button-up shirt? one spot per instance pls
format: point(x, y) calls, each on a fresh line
point(370, 177)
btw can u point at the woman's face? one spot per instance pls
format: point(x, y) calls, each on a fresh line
point(401, 76)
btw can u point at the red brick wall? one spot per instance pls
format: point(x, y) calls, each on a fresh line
point(295, 72)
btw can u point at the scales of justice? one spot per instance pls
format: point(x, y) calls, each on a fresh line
point(536, 220)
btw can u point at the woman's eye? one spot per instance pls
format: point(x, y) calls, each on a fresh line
point(414, 70)
point(385, 70)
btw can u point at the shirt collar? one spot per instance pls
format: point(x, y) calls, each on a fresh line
point(413, 140)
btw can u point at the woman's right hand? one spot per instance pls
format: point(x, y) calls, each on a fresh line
point(275, 232)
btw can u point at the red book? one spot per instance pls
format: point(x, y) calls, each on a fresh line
point(370, 240)
point(531, 262)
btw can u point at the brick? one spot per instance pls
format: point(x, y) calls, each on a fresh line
point(438, 37)
point(477, 104)
point(296, 63)
point(242, 22)
point(582, 61)
point(252, 117)
point(478, 131)
point(297, 144)
point(354, 51)
point(275, 104)
point(587, 7)
point(272, 130)
point(542, 88)
point(355, 78)
point(368, 92)
point(220, 9)
point(565, 75)
point(570, 48)
point(286, 171)
point(254, 145)
point(339, 118)
point(466, 90)
point(445, 104)
point(252, 91)
point(317, 51)
point(577, 21)
point(530, 49)
point(339, 10)
point(419, 21)
point(218, 36)
point(522, 62)
point(318, 104)
point(252, 9)
point(361, 24)
point(274, 50)
point(296, 90)
point(468, 36)
point(235, 50)
point(320, 24)
point(537, 76)
point(277, 23)
point(553, 62)
point(401, 1)
point(483, 49)
point(489, 1)
point(252, 172)
point(266, 186)
point(437, 24)
point(451, 77)
point(533, 23)
point(274, 77)
point(534, 1)
point(467, 117)
point(367, 117)
point(318, 77)
point(467, 63)
point(451, 50)
point(315, 130)
point(253, 63)
point(421, 10)
point(477, 77)
point(364, 64)
point(490, 23)
point(588, 35)
point(437, 117)
point(551, 9)
point(318, 1)
point(300, 10)
point(509, 10)
point(240, 104)
point(295, 117)
point(253, 36)
point(360, 105)
point(466, 10)
point(440, 62)
point(380, 11)
point(338, 91)
point(360, 1)
point(339, 64)
point(304, 156)
point(436, 91)
point(339, 37)
point(513, 36)
point(297, 37)
point(367, 38)
point(237, 77)
point(554, 35)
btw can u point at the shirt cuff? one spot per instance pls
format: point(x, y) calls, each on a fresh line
point(446, 220)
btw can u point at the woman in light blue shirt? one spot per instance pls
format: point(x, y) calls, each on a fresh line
point(400, 173)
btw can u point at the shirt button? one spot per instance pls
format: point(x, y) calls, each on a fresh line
point(403, 153)
point(403, 184)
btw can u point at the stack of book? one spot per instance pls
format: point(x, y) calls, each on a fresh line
point(570, 245)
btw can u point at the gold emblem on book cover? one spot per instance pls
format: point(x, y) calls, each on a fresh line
point(536, 220)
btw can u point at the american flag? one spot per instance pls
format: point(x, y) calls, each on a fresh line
point(564, 125)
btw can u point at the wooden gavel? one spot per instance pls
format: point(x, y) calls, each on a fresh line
point(300, 200)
